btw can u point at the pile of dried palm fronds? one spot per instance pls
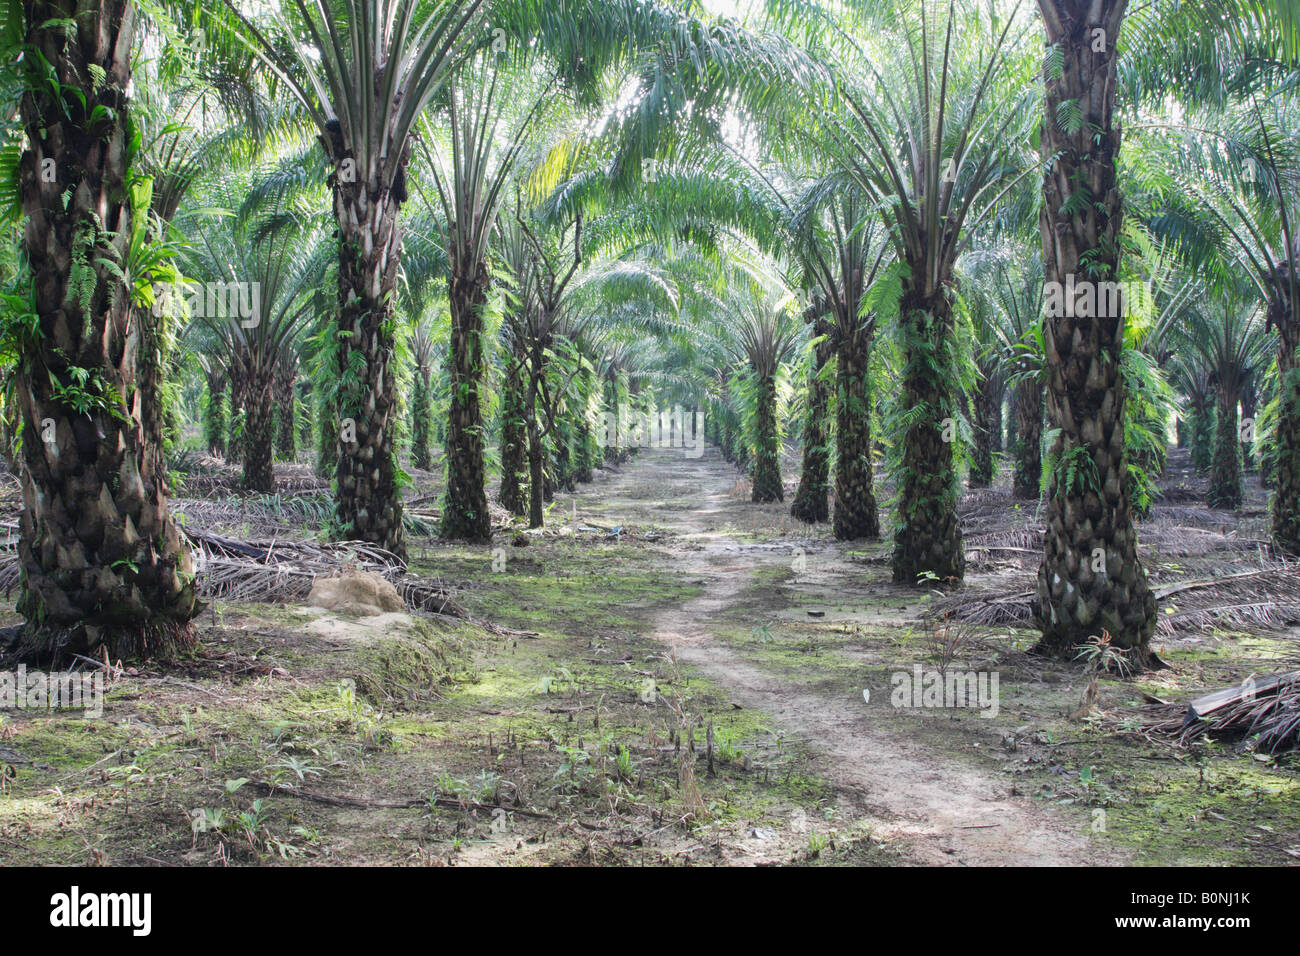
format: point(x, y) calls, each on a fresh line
point(195, 474)
point(285, 513)
point(1267, 596)
point(1174, 539)
point(275, 570)
point(1263, 713)
point(1166, 536)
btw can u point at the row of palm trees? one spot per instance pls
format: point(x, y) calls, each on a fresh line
point(872, 218)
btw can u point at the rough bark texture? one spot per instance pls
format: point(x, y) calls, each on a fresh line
point(811, 502)
point(614, 423)
point(1202, 411)
point(235, 426)
point(259, 435)
point(465, 508)
point(103, 563)
point(562, 428)
point(987, 406)
point(1026, 482)
point(995, 420)
point(1225, 474)
point(540, 489)
point(1249, 406)
point(767, 446)
point(582, 457)
point(1090, 580)
point(928, 538)
point(1284, 470)
point(286, 434)
point(366, 205)
point(421, 456)
point(327, 431)
point(855, 515)
point(305, 420)
point(514, 442)
point(214, 416)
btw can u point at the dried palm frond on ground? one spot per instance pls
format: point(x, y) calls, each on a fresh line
point(195, 474)
point(1011, 607)
point(239, 570)
point(1263, 714)
point(284, 513)
point(1162, 538)
point(1171, 539)
point(1029, 538)
point(266, 571)
point(1263, 597)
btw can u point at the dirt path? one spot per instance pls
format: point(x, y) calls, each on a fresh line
point(943, 810)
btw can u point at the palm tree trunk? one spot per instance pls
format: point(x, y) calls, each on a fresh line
point(238, 403)
point(1027, 481)
point(563, 452)
point(987, 395)
point(856, 515)
point(584, 453)
point(286, 435)
point(995, 419)
point(421, 403)
point(514, 448)
point(810, 499)
point(767, 462)
point(214, 416)
point(465, 507)
point(1203, 429)
point(536, 476)
point(259, 435)
point(582, 459)
point(1225, 475)
point(1284, 468)
point(1249, 405)
point(1090, 580)
point(368, 500)
point(305, 422)
point(614, 420)
point(103, 563)
point(928, 539)
point(327, 434)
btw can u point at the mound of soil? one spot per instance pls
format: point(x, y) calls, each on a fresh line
point(358, 592)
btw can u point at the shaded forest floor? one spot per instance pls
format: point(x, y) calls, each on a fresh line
point(669, 675)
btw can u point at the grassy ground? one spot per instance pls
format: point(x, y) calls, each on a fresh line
point(688, 690)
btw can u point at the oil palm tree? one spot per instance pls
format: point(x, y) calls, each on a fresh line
point(1081, 220)
point(275, 252)
point(756, 322)
point(1010, 276)
point(928, 135)
point(842, 250)
point(1196, 49)
point(1228, 338)
point(1230, 207)
point(364, 72)
point(102, 558)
